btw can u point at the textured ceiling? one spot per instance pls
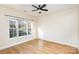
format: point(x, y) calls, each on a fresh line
point(51, 8)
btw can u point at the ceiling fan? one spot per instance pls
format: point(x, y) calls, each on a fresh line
point(40, 8)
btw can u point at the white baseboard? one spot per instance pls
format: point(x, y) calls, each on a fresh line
point(62, 43)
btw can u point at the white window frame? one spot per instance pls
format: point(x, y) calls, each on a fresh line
point(17, 24)
point(14, 20)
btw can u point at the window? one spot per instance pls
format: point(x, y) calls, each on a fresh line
point(13, 30)
point(22, 28)
point(19, 27)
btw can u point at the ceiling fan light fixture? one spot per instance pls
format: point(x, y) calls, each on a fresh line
point(39, 11)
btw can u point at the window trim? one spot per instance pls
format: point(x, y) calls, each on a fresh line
point(26, 22)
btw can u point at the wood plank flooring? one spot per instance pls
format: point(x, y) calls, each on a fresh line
point(40, 47)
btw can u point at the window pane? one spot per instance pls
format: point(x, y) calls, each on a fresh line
point(12, 30)
point(12, 24)
point(29, 31)
point(29, 28)
point(13, 33)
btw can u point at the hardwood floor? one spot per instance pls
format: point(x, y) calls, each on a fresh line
point(40, 47)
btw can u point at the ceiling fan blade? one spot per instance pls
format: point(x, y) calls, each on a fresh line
point(43, 6)
point(34, 6)
point(44, 9)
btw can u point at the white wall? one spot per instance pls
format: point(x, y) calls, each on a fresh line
point(59, 27)
point(5, 41)
point(78, 27)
